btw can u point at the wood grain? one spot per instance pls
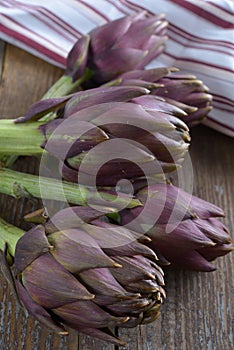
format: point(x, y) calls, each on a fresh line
point(2, 50)
point(198, 313)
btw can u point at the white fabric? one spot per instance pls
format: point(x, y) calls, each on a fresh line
point(201, 37)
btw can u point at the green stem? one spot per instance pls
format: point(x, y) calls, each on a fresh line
point(9, 234)
point(20, 139)
point(19, 185)
point(64, 85)
point(8, 161)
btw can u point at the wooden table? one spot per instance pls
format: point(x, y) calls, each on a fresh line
point(199, 311)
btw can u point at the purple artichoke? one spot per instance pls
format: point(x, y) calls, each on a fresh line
point(109, 133)
point(77, 58)
point(184, 229)
point(180, 90)
point(86, 274)
point(125, 44)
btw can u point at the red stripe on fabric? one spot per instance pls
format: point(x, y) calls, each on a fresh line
point(33, 44)
point(197, 47)
point(219, 123)
point(222, 105)
point(93, 9)
point(116, 5)
point(135, 7)
point(47, 13)
point(222, 98)
point(218, 107)
point(69, 29)
point(190, 36)
point(61, 33)
point(202, 63)
point(4, 4)
point(220, 8)
point(36, 12)
point(204, 14)
point(72, 30)
point(31, 31)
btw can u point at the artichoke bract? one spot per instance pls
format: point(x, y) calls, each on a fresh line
point(119, 46)
point(81, 272)
point(179, 89)
point(184, 229)
point(111, 134)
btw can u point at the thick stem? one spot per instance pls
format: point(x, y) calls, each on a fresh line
point(64, 85)
point(19, 185)
point(9, 234)
point(7, 161)
point(20, 139)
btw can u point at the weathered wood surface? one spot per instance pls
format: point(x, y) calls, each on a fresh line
point(199, 311)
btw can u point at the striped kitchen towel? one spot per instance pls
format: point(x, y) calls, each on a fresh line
point(201, 37)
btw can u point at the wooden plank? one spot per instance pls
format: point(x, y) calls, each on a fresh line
point(2, 50)
point(25, 79)
point(90, 343)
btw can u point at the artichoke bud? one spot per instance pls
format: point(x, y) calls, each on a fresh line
point(112, 133)
point(77, 58)
point(183, 91)
point(115, 48)
point(68, 277)
point(78, 251)
point(184, 229)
